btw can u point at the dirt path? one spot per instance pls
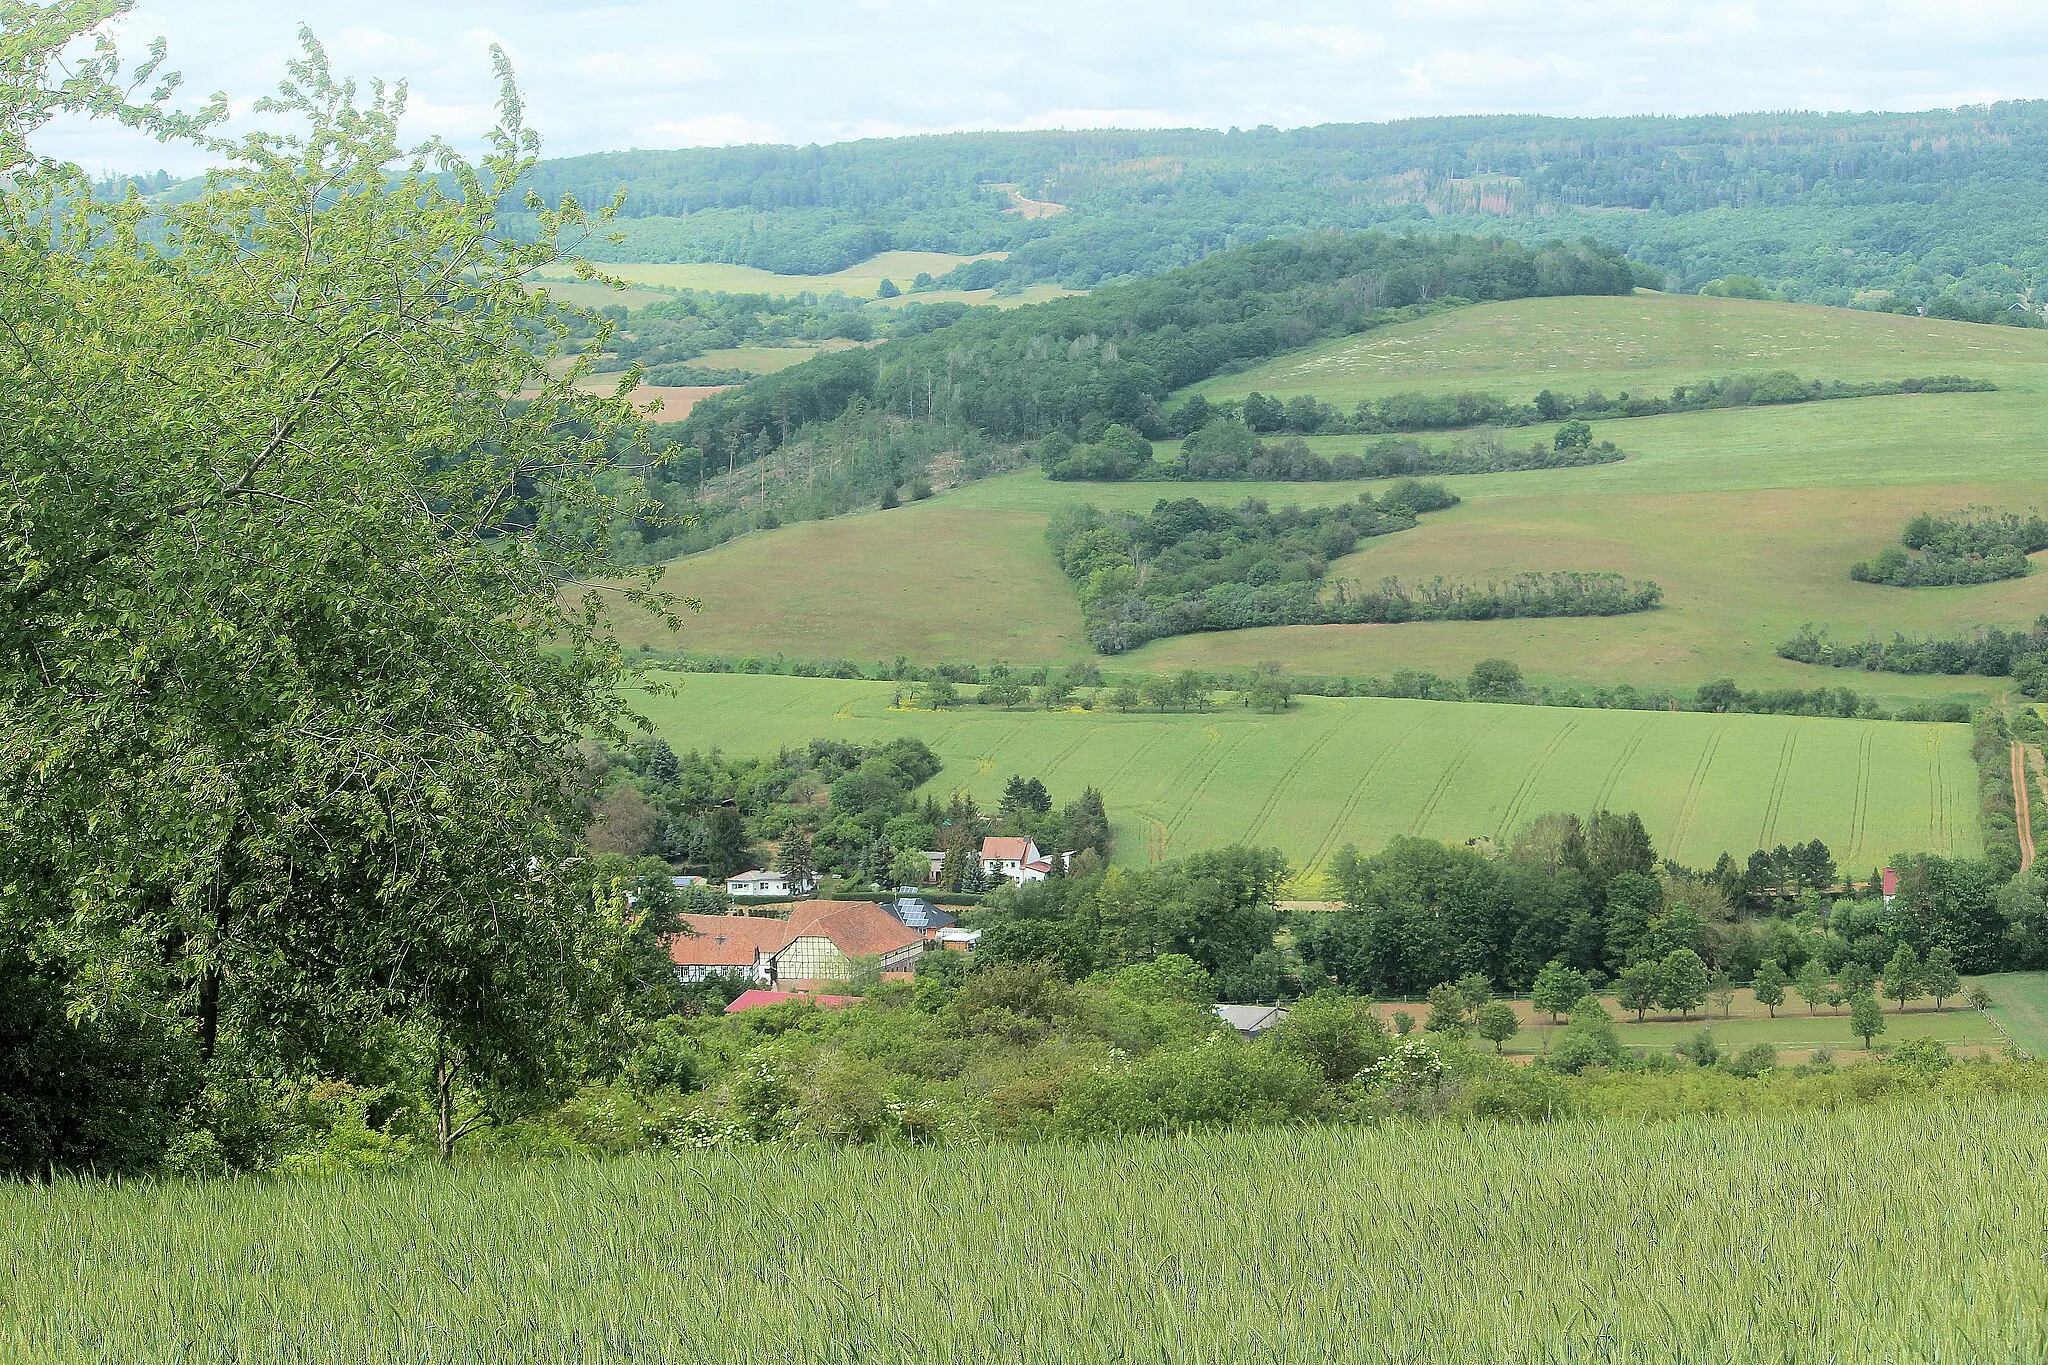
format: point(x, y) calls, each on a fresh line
point(2022, 806)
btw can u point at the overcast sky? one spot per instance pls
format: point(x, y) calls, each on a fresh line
point(660, 73)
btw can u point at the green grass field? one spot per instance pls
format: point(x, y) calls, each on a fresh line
point(1885, 1233)
point(1794, 1031)
point(1748, 518)
point(1363, 770)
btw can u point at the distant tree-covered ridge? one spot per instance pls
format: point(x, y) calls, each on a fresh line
point(1190, 567)
point(1306, 415)
point(1227, 449)
point(1977, 546)
point(1942, 210)
point(1078, 365)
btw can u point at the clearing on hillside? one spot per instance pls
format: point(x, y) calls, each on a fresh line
point(856, 281)
point(1363, 770)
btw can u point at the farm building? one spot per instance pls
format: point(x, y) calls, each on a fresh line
point(816, 943)
point(915, 912)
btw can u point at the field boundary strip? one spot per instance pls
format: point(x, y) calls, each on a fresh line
point(2022, 807)
point(1859, 810)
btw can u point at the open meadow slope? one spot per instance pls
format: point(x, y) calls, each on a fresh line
point(1881, 1233)
point(1363, 770)
point(1749, 518)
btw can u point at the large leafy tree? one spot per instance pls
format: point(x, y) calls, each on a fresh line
point(298, 499)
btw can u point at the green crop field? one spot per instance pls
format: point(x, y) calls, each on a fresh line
point(1362, 770)
point(1749, 518)
point(1881, 1233)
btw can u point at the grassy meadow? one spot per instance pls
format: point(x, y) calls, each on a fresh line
point(1749, 518)
point(1877, 1233)
point(1795, 1031)
point(1363, 770)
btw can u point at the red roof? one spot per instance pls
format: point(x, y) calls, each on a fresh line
point(856, 928)
point(1890, 880)
point(727, 940)
point(748, 1000)
point(1006, 849)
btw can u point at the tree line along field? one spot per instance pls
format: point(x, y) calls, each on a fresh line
point(1748, 518)
point(1878, 1233)
point(1364, 770)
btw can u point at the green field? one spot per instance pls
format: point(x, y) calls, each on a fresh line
point(1794, 1030)
point(1887, 1233)
point(1748, 518)
point(1362, 770)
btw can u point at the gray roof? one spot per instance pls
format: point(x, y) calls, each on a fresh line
point(917, 913)
point(1251, 1018)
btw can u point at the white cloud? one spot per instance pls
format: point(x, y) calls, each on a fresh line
point(600, 74)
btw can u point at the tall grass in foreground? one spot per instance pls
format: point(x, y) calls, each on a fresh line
point(1893, 1233)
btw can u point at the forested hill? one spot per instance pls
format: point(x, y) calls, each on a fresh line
point(1821, 207)
point(1077, 364)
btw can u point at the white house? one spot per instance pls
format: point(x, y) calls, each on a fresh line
point(1015, 860)
point(762, 884)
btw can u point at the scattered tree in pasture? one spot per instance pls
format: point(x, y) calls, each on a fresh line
point(1980, 999)
point(1558, 987)
point(1769, 985)
point(1866, 1017)
point(1475, 989)
point(1721, 990)
point(1938, 976)
point(1637, 988)
point(937, 694)
point(1902, 977)
point(1496, 1022)
point(1812, 985)
point(1682, 982)
point(1700, 1049)
point(1854, 979)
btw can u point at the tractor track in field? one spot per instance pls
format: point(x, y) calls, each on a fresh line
point(1223, 755)
point(1450, 773)
point(1358, 789)
point(1937, 798)
point(2023, 809)
point(1315, 746)
point(1689, 806)
point(1521, 796)
point(1058, 762)
point(1621, 761)
point(1778, 781)
point(1859, 813)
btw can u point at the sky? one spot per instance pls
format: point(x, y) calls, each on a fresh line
point(660, 73)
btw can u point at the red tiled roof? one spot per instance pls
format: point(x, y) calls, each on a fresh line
point(856, 928)
point(1890, 880)
point(727, 940)
point(1014, 850)
point(748, 1000)
point(1040, 866)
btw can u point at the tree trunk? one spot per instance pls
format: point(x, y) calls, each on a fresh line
point(444, 1097)
point(209, 1012)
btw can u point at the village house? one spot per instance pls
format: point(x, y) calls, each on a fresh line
point(756, 999)
point(763, 884)
point(1251, 1020)
point(816, 944)
point(1013, 859)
